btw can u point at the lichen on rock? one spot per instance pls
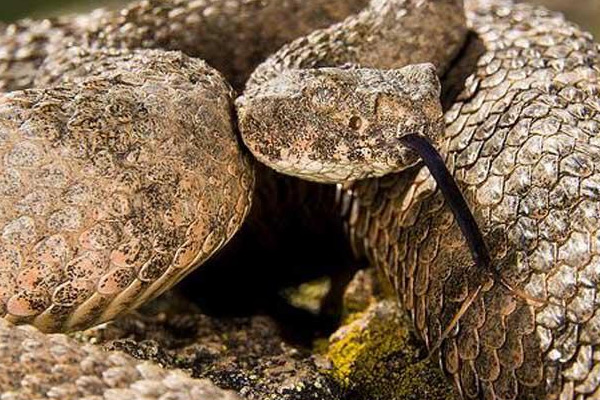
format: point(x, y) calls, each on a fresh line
point(376, 357)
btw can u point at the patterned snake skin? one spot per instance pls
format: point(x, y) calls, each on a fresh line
point(520, 140)
point(172, 169)
point(232, 36)
point(105, 187)
point(120, 178)
point(287, 100)
point(41, 366)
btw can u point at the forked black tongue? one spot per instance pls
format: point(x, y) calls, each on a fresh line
point(453, 196)
point(468, 226)
point(463, 215)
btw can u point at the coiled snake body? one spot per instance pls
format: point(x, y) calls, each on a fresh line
point(521, 139)
point(126, 171)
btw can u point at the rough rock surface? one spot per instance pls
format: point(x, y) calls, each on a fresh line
point(374, 355)
point(246, 354)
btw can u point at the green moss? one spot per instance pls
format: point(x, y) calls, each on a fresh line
point(320, 346)
point(374, 357)
point(423, 381)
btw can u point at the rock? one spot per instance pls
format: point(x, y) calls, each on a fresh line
point(372, 356)
point(245, 354)
point(308, 296)
point(360, 292)
point(375, 357)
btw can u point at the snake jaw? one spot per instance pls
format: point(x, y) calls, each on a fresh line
point(336, 124)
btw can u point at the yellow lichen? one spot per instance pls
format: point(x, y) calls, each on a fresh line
point(374, 357)
point(308, 296)
point(358, 345)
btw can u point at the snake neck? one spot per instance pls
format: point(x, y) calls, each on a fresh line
point(363, 39)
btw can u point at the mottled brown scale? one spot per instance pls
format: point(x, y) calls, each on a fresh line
point(232, 36)
point(303, 118)
point(55, 366)
point(521, 140)
point(123, 201)
point(128, 165)
point(335, 125)
point(364, 39)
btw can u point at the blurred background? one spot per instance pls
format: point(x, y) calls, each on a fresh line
point(585, 12)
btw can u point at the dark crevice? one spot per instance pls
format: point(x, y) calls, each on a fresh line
point(292, 236)
point(461, 68)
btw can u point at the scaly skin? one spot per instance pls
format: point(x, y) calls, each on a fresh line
point(302, 118)
point(38, 366)
point(232, 36)
point(175, 174)
point(339, 125)
point(114, 188)
point(522, 142)
point(104, 203)
point(386, 34)
point(519, 116)
point(121, 177)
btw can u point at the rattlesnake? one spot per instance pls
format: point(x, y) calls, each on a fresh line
point(526, 326)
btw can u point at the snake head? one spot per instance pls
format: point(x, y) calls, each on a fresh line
point(341, 124)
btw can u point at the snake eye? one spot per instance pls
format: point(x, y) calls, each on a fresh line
point(355, 123)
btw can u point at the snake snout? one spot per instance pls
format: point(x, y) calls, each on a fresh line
point(340, 124)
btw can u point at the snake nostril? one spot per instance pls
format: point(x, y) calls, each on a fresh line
point(355, 123)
